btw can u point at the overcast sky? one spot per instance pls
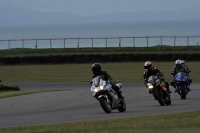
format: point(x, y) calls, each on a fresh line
point(95, 7)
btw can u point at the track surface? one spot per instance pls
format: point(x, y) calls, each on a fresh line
point(78, 104)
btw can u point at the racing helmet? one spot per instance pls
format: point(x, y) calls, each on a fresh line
point(96, 68)
point(178, 64)
point(147, 65)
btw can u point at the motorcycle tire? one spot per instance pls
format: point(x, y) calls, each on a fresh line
point(159, 98)
point(106, 106)
point(122, 108)
point(183, 93)
point(168, 102)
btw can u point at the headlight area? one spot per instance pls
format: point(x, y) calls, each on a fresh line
point(101, 87)
point(98, 89)
point(150, 86)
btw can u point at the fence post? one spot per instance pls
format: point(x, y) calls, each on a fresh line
point(50, 43)
point(119, 43)
point(8, 44)
point(187, 40)
point(78, 45)
point(175, 41)
point(147, 42)
point(22, 43)
point(77, 48)
point(92, 42)
point(36, 48)
point(106, 42)
point(161, 40)
point(64, 42)
point(36, 42)
point(133, 41)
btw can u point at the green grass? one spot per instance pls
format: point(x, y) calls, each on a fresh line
point(124, 72)
point(5, 94)
point(60, 51)
point(170, 123)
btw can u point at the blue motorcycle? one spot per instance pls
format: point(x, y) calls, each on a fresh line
point(182, 84)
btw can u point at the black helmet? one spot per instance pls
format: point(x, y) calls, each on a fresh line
point(96, 68)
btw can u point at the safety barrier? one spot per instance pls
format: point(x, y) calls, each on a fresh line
point(91, 58)
point(135, 41)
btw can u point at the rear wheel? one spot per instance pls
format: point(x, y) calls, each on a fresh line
point(183, 93)
point(159, 98)
point(122, 108)
point(105, 104)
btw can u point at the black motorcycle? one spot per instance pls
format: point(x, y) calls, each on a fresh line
point(154, 85)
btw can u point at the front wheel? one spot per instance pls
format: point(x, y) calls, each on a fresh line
point(159, 98)
point(105, 104)
point(122, 108)
point(183, 93)
point(168, 102)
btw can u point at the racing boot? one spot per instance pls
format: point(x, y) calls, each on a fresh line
point(167, 86)
point(188, 89)
point(176, 89)
point(172, 84)
point(166, 95)
point(120, 95)
point(165, 92)
point(190, 80)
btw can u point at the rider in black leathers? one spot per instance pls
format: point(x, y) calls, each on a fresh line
point(179, 66)
point(149, 71)
point(96, 69)
point(183, 63)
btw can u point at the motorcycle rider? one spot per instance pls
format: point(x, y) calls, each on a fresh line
point(189, 79)
point(96, 69)
point(179, 66)
point(149, 71)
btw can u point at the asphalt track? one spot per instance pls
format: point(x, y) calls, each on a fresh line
point(78, 104)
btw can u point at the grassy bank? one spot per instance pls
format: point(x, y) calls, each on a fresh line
point(124, 72)
point(32, 52)
point(170, 123)
point(5, 94)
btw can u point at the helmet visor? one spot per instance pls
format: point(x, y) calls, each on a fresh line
point(147, 67)
point(96, 71)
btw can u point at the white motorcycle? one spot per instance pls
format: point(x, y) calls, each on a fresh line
point(107, 97)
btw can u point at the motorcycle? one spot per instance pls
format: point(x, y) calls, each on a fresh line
point(155, 86)
point(181, 84)
point(107, 97)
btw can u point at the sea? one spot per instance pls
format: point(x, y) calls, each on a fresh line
point(109, 34)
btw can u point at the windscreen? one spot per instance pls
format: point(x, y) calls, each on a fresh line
point(181, 74)
point(152, 79)
point(96, 81)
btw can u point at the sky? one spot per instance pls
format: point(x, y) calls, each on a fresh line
point(96, 7)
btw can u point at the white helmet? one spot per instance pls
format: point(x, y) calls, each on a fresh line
point(178, 62)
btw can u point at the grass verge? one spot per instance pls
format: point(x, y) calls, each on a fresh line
point(124, 72)
point(169, 123)
point(5, 94)
point(159, 49)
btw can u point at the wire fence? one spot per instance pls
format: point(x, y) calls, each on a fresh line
point(145, 41)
